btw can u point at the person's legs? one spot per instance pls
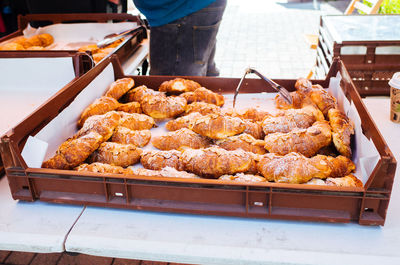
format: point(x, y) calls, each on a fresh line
point(187, 45)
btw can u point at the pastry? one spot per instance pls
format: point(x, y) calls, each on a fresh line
point(116, 154)
point(242, 141)
point(160, 107)
point(120, 87)
point(99, 106)
point(180, 139)
point(217, 126)
point(203, 94)
point(137, 138)
point(178, 85)
point(157, 160)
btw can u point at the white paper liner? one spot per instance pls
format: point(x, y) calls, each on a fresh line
point(365, 154)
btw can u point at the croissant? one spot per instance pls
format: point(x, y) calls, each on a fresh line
point(102, 124)
point(296, 168)
point(161, 107)
point(297, 101)
point(120, 87)
point(305, 141)
point(136, 121)
point(138, 93)
point(217, 126)
point(182, 122)
point(74, 151)
point(99, 106)
point(214, 162)
point(182, 138)
point(130, 107)
point(157, 160)
point(124, 135)
point(242, 141)
point(103, 168)
point(346, 181)
point(179, 85)
point(251, 114)
point(93, 48)
point(203, 94)
point(342, 129)
point(254, 129)
point(241, 177)
point(202, 107)
point(12, 46)
point(167, 172)
point(290, 119)
point(116, 154)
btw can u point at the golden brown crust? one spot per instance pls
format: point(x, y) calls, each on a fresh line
point(138, 93)
point(202, 107)
point(254, 129)
point(98, 167)
point(297, 101)
point(333, 166)
point(179, 85)
point(45, 39)
point(180, 139)
point(120, 87)
point(116, 154)
point(74, 151)
point(99, 106)
point(347, 181)
point(304, 141)
point(241, 177)
point(130, 107)
point(251, 114)
point(136, 121)
point(342, 129)
point(167, 172)
point(242, 141)
point(157, 160)
point(12, 46)
point(286, 121)
point(214, 161)
point(203, 94)
point(91, 47)
point(182, 122)
point(124, 135)
point(160, 107)
point(102, 124)
point(216, 126)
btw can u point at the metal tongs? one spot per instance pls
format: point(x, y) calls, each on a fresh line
point(280, 89)
point(116, 36)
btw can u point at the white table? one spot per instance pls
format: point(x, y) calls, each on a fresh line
point(221, 240)
point(43, 227)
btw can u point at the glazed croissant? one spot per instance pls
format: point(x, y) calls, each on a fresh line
point(124, 135)
point(116, 154)
point(342, 129)
point(254, 129)
point(103, 168)
point(102, 124)
point(160, 107)
point(202, 107)
point(216, 126)
point(136, 121)
point(182, 122)
point(214, 162)
point(73, 152)
point(242, 141)
point(241, 177)
point(182, 138)
point(287, 120)
point(304, 141)
point(130, 107)
point(119, 87)
point(100, 106)
point(138, 93)
point(296, 168)
point(203, 94)
point(157, 160)
point(179, 85)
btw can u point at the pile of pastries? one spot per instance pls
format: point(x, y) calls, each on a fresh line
point(36, 42)
point(308, 141)
point(99, 53)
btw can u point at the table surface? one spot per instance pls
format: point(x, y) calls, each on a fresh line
point(43, 227)
point(363, 28)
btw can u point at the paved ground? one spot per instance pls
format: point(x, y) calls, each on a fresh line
point(270, 36)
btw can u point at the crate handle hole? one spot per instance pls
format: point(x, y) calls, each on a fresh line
point(119, 194)
point(258, 204)
point(25, 187)
point(369, 210)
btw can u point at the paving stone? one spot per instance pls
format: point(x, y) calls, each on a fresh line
point(126, 262)
point(19, 258)
point(46, 259)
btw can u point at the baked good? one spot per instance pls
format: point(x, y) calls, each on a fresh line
point(125, 135)
point(130, 107)
point(242, 141)
point(342, 129)
point(203, 94)
point(241, 177)
point(136, 121)
point(160, 107)
point(138, 93)
point(120, 87)
point(116, 154)
point(217, 126)
point(180, 139)
point(251, 114)
point(179, 85)
point(202, 107)
point(100, 106)
point(182, 122)
point(98, 167)
point(102, 124)
point(157, 160)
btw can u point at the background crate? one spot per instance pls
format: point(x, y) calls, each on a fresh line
point(370, 62)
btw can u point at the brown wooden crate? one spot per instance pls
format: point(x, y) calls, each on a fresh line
point(126, 262)
point(19, 258)
point(46, 259)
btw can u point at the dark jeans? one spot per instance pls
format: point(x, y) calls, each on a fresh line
point(187, 46)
